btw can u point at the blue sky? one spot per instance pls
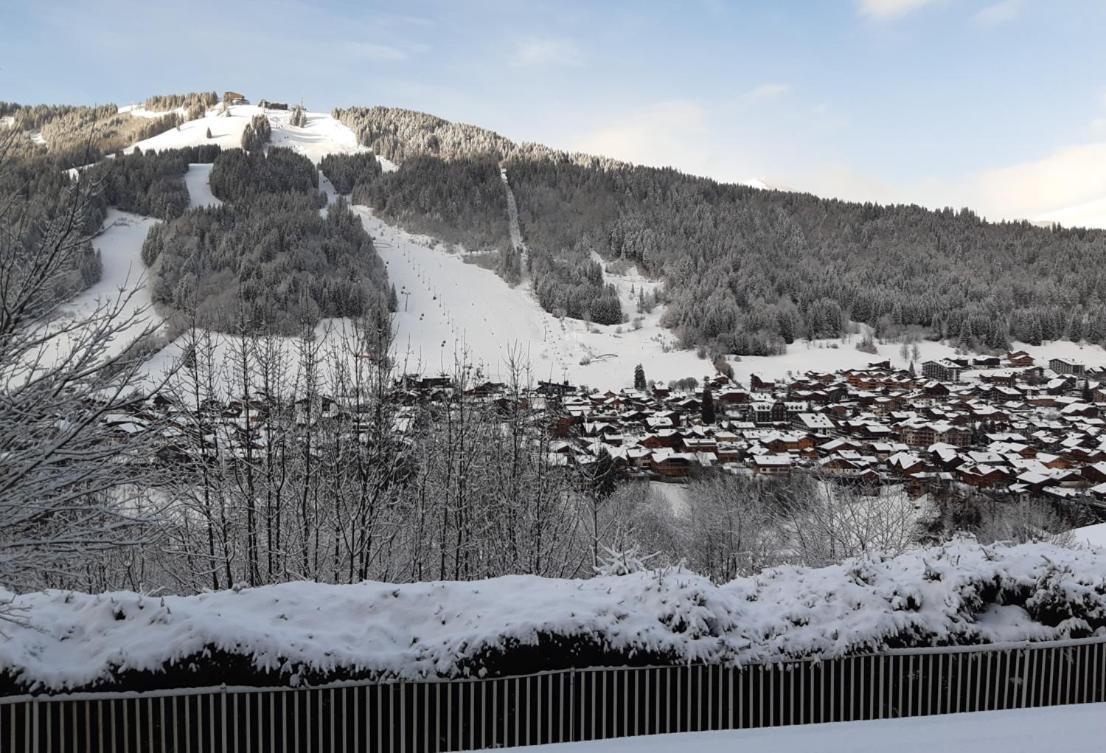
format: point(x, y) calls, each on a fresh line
point(995, 104)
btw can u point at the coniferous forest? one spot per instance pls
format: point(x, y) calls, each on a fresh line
point(746, 270)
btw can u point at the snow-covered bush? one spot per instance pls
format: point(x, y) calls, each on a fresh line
point(960, 593)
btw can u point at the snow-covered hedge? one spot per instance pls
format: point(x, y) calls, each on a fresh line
point(960, 593)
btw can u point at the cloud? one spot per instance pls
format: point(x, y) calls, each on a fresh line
point(885, 9)
point(1068, 177)
point(998, 13)
point(766, 91)
point(547, 51)
point(662, 134)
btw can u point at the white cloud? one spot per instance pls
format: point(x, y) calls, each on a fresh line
point(544, 51)
point(767, 91)
point(662, 134)
point(890, 8)
point(1068, 177)
point(998, 13)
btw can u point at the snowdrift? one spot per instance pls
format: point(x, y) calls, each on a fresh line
point(295, 633)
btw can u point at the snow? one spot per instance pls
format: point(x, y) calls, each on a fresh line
point(1091, 535)
point(829, 355)
point(957, 593)
point(197, 180)
point(1075, 729)
point(321, 136)
point(120, 246)
point(139, 111)
point(448, 306)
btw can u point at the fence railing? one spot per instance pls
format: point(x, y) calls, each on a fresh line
point(560, 706)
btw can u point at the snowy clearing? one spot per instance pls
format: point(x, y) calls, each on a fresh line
point(197, 180)
point(448, 307)
point(1091, 535)
point(957, 593)
point(124, 276)
point(1078, 729)
point(321, 136)
point(841, 353)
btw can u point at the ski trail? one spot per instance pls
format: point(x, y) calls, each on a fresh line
point(513, 226)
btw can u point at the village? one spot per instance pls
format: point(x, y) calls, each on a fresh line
point(999, 425)
point(1002, 424)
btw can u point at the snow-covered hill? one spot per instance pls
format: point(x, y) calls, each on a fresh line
point(449, 308)
point(321, 136)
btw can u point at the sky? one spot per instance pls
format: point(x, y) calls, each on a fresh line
point(998, 105)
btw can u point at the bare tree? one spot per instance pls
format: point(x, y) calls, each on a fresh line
point(61, 465)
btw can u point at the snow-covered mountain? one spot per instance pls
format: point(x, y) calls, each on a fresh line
point(450, 308)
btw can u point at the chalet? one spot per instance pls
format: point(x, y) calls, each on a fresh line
point(234, 98)
point(945, 370)
point(814, 423)
point(1019, 359)
point(982, 476)
point(760, 385)
point(672, 464)
point(1067, 366)
point(772, 464)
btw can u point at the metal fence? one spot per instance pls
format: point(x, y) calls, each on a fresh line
point(561, 706)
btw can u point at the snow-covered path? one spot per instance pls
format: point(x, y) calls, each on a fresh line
point(1072, 729)
point(197, 179)
point(120, 248)
point(512, 223)
point(448, 308)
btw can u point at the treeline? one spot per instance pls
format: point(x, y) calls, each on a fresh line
point(238, 175)
point(77, 135)
point(196, 103)
point(152, 183)
point(257, 133)
point(745, 270)
point(570, 283)
point(345, 171)
point(463, 201)
point(36, 195)
point(266, 261)
point(748, 271)
point(460, 202)
point(398, 135)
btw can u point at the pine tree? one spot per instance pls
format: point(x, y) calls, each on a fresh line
point(708, 406)
point(209, 133)
point(639, 378)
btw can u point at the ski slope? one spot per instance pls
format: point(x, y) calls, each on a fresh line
point(198, 182)
point(124, 277)
point(321, 136)
point(449, 308)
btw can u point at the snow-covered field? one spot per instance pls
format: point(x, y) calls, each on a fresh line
point(959, 593)
point(123, 287)
point(321, 136)
point(1072, 729)
point(837, 353)
point(448, 307)
point(197, 180)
